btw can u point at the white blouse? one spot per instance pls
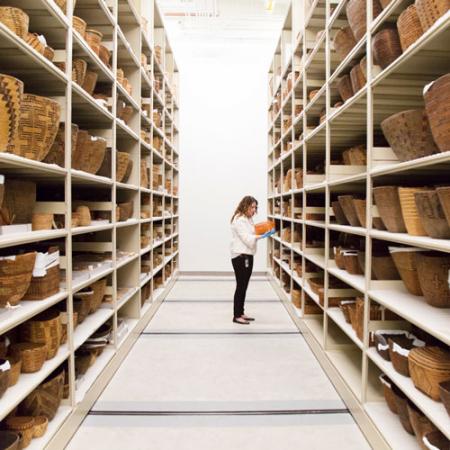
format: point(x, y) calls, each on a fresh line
point(243, 237)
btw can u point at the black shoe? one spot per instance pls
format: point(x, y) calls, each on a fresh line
point(250, 319)
point(240, 321)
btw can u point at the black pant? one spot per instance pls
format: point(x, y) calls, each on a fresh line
point(243, 267)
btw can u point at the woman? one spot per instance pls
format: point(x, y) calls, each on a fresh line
point(243, 247)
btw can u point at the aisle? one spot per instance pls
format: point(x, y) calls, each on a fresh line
point(195, 380)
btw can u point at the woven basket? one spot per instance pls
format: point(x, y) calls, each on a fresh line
point(125, 113)
point(409, 27)
point(444, 198)
point(344, 41)
point(99, 288)
point(428, 367)
point(360, 208)
point(79, 68)
point(432, 215)
point(339, 213)
point(43, 329)
point(356, 11)
point(389, 395)
point(339, 257)
point(401, 403)
point(126, 211)
point(386, 46)
point(399, 347)
point(345, 306)
point(388, 203)
point(105, 55)
point(357, 78)
point(23, 425)
point(42, 221)
point(444, 391)
point(355, 156)
point(405, 262)
point(126, 177)
point(435, 440)
point(89, 152)
point(82, 306)
point(33, 41)
point(383, 267)
point(93, 37)
point(296, 296)
point(344, 86)
point(40, 426)
point(16, 20)
point(46, 398)
point(11, 90)
point(83, 360)
point(79, 25)
point(409, 134)
point(63, 317)
point(44, 287)
point(437, 100)
point(9, 440)
point(15, 278)
point(84, 215)
point(122, 159)
point(429, 11)
point(432, 270)
point(385, 3)
point(351, 262)
point(348, 207)
point(32, 355)
point(16, 365)
point(420, 424)
point(49, 53)
point(4, 376)
point(409, 211)
point(56, 155)
point(381, 339)
point(90, 81)
point(38, 126)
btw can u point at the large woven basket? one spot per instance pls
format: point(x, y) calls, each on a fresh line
point(383, 267)
point(405, 261)
point(429, 366)
point(388, 203)
point(46, 398)
point(19, 201)
point(357, 78)
point(356, 14)
point(344, 86)
point(16, 366)
point(56, 154)
point(432, 215)
point(386, 46)
point(444, 198)
point(348, 207)
point(409, 27)
point(16, 20)
point(11, 90)
point(409, 211)
point(32, 355)
point(122, 159)
point(15, 277)
point(38, 126)
point(437, 101)
point(429, 11)
point(433, 269)
point(79, 69)
point(344, 41)
point(90, 81)
point(409, 134)
point(43, 287)
point(89, 152)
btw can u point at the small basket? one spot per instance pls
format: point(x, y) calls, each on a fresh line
point(296, 298)
point(84, 216)
point(355, 156)
point(401, 403)
point(49, 53)
point(386, 47)
point(356, 11)
point(16, 20)
point(79, 25)
point(409, 134)
point(429, 11)
point(45, 286)
point(93, 38)
point(82, 304)
point(381, 338)
point(15, 362)
point(399, 348)
point(344, 86)
point(79, 68)
point(409, 211)
point(33, 41)
point(89, 152)
point(126, 177)
point(437, 99)
point(351, 262)
point(23, 425)
point(83, 360)
point(389, 395)
point(40, 426)
point(105, 55)
point(344, 41)
point(420, 424)
point(348, 207)
point(122, 159)
point(125, 113)
point(345, 306)
point(42, 221)
point(126, 211)
point(357, 78)
point(409, 27)
point(99, 288)
point(339, 213)
point(32, 355)
point(388, 203)
point(432, 215)
point(405, 261)
point(90, 81)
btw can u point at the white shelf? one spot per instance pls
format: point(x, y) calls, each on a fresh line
point(348, 364)
point(124, 299)
point(355, 281)
point(338, 317)
point(131, 324)
point(315, 326)
point(90, 325)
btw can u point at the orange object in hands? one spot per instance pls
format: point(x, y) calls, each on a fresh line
point(264, 227)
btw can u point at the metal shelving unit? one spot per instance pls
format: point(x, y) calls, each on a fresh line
point(305, 61)
point(131, 29)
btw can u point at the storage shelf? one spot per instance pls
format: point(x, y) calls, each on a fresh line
point(348, 363)
point(90, 325)
point(9, 240)
point(338, 317)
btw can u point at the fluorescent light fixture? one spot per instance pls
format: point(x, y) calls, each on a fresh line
point(269, 5)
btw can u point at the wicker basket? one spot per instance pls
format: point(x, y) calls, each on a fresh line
point(429, 11)
point(356, 14)
point(125, 113)
point(127, 175)
point(444, 391)
point(399, 348)
point(99, 288)
point(409, 211)
point(40, 426)
point(388, 203)
point(32, 355)
point(401, 403)
point(105, 55)
point(409, 134)
point(345, 306)
point(45, 286)
point(420, 424)
point(16, 20)
point(79, 25)
point(43, 329)
point(90, 81)
point(344, 86)
point(15, 362)
point(15, 277)
point(89, 152)
point(444, 198)
point(389, 395)
point(405, 261)
point(339, 213)
point(5, 368)
point(428, 367)
point(351, 262)
point(84, 215)
point(432, 215)
point(9, 440)
point(357, 78)
point(23, 425)
point(122, 159)
point(360, 208)
point(437, 100)
point(79, 69)
point(381, 338)
point(56, 155)
point(355, 156)
point(33, 41)
point(344, 41)
point(83, 360)
point(93, 38)
point(348, 207)
point(42, 221)
point(126, 211)
point(386, 46)
point(46, 398)
point(409, 27)
point(296, 297)
point(82, 304)
point(63, 317)
point(383, 267)
point(432, 269)
point(435, 440)
point(49, 53)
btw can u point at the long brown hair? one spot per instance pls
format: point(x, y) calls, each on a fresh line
point(243, 206)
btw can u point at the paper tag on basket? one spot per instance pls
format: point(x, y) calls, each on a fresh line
point(42, 39)
point(5, 366)
point(427, 87)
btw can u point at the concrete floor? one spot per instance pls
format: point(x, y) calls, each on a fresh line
point(192, 365)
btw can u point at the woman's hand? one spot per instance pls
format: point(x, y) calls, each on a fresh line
point(265, 235)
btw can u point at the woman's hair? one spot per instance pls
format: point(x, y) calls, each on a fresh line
point(243, 206)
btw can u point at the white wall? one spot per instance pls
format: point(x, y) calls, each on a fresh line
point(223, 147)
